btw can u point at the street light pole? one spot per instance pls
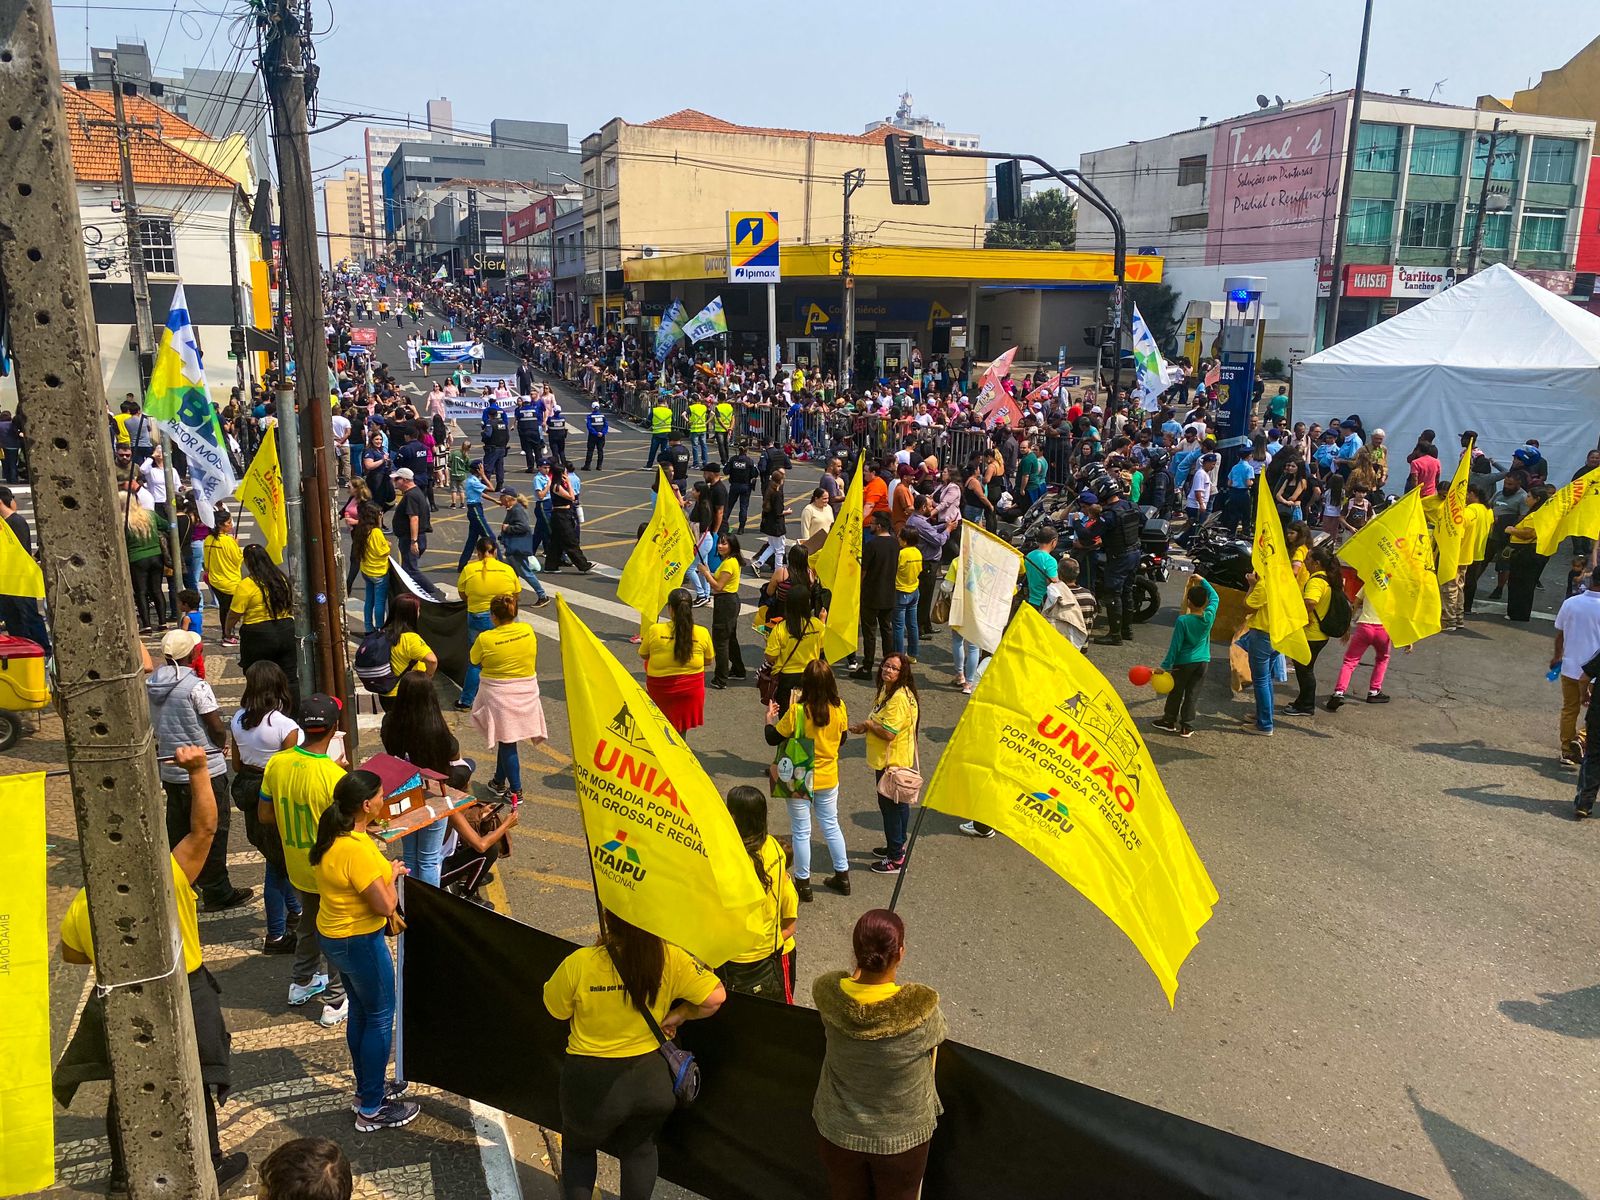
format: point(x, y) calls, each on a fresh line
point(1342, 224)
point(1483, 200)
point(847, 308)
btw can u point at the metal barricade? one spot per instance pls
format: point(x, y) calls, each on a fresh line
point(960, 445)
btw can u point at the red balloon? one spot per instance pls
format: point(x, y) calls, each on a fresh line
point(1139, 676)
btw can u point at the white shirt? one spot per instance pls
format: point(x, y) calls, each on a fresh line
point(1201, 486)
point(341, 430)
point(155, 484)
point(266, 739)
point(1579, 623)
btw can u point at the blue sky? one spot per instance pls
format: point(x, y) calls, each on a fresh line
point(1052, 78)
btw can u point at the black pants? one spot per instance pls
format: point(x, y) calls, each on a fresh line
point(558, 445)
point(1185, 694)
point(411, 562)
point(739, 497)
point(595, 451)
point(876, 623)
point(725, 636)
point(21, 617)
point(147, 590)
point(615, 1104)
point(564, 541)
point(274, 642)
point(1527, 564)
point(1470, 588)
point(1589, 771)
point(532, 449)
point(1118, 594)
point(213, 882)
point(927, 583)
point(722, 445)
point(1306, 676)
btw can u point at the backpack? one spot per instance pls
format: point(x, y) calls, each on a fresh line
point(1337, 621)
point(374, 665)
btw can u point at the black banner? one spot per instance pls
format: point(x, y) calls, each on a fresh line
point(1007, 1130)
point(441, 623)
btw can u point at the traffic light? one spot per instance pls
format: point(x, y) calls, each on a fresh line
point(908, 169)
point(1008, 190)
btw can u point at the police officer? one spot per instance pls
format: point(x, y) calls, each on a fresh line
point(598, 427)
point(676, 458)
point(741, 470)
point(660, 427)
point(555, 425)
point(1117, 527)
point(699, 417)
point(722, 426)
point(530, 429)
point(496, 441)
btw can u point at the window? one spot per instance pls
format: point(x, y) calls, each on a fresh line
point(611, 173)
point(1378, 147)
point(1371, 223)
point(1435, 152)
point(1543, 229)
point(1505, 155)
point(1191, 170)
point(160, 252)
point(1496, 232)
point(1190, 221)
point(1428, 225)
point(1552, 160)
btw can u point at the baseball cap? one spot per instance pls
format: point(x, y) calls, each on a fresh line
point(319, 713)
point(405, 473)
point(1088, 497)
point(179, 643)
point(511, 492)
point(595, 406)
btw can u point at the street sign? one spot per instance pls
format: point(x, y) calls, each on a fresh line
point(753, 247)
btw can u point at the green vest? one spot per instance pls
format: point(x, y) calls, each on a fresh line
point(722, 422)
point(697, 417)
point(661, 419)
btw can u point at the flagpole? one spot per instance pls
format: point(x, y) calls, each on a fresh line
point(911, 844)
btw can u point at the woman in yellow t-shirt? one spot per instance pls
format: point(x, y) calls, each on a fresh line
point(612, 1082)
point(508, 708)
point(407, 650)
point(675, 653)
point(480, 581)
point(1323, 573)
point(356, 885)
point(222, 559)
point(263, 605)
point(891, 733)
point(765, 969)
point(816, 713)
point(725, 609)
point(794, 644)
point(370, 546)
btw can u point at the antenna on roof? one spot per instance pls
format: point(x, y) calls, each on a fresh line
point(1328, 90)
point(1437, 88)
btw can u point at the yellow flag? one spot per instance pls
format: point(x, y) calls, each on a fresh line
point(1564, 513)
point(661, 559)
point(838, 565)
point(1269, 558)
point(19, 574)
point(27, 1115)
point(1046, 753)
point(1393, 554)
point(1450, 532)
point(665, 853)
point(262, 493)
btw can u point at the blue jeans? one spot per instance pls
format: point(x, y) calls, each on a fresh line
point(1258, 646)
point(476, 623)
point(826, 801)
point(508, 766)
point(699, 455)
point(965, 654)
point(280, 899)
point(896, 818)
point(424, 852)
point(697, 581)
point(906, 634)
point(195, 566)
point(521, 565)
point(368, 973)
point(658, 443)
point(376, 609)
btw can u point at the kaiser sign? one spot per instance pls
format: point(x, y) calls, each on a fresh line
point(1396, 282)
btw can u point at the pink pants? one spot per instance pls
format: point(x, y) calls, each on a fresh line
point(1361, 637)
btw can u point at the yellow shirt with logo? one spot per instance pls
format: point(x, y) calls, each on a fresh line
point(483, 579)
point(807, 648)
point(299, 786)
point(75, 925)
point(1318, 595)
point(375, 558)
point(409, 648)
point(908, 570)
point(509, 651)
point(656, 650)
point(352, 864)
point(825, 740)
point(223, 559)
point(899, 715)
point(587, 991)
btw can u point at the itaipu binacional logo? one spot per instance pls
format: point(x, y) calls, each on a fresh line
point(619, 861)
point(1046, 808)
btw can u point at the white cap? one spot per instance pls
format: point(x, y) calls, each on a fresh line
point(405, 473)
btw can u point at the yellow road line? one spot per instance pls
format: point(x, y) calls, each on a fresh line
point(621, 512)
point(566, 881)
point(550, 835)
point(549, 751)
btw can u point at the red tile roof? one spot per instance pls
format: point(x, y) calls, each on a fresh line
point(695, 121)
point(155, 162)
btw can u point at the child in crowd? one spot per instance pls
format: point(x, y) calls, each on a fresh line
point(191, 618)
point(1188, 655)
point(459, 464)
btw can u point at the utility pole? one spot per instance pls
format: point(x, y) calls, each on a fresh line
point(847, 317)
point(1483, 200)
point(1330, 327)
point(289, 81)
point(144, 322)
point(117, 798)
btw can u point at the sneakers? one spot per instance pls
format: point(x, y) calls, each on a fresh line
point(299, 993)
point(1377, 698)
point(394, 1089)
point(1294, 710)
point(279, 945)
point(1335, 702)
point(966, 689)
point(888, 866)
point(541, 601)
point(880, 852)
point(1163, 723)
point(1185, 732)
point(334, 1014)
point(1580, 814)
point(635, 640)
point(232, 900)
point(230, 1168)
point(702, 602)
point(390, 1115)
point(970, 828)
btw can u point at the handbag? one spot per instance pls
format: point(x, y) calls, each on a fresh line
point(767, 678)
point(903, 785)
point(791, 771)
point(682, 1068)
point(940, 610)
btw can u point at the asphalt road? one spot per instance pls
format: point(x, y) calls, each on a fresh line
point(1394, 981)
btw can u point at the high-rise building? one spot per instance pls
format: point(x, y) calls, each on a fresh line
point(441, 119)
point(380, 143)
point(907, 121)
point(344, 203)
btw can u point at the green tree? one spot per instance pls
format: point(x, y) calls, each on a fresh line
point(1049, 222)
point(1158, 305)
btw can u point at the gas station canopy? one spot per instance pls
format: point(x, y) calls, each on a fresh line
point(1016, 268)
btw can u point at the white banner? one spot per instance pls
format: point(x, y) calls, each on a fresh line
point(986, 581)
point(210, 472)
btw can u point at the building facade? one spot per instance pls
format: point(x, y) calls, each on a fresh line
point(344, 203)
point(569, 266)
point(379, 143)
point(1260, 195)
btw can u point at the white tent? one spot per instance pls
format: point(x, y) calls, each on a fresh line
point(1495, 353)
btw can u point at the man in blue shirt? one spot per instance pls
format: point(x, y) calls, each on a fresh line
point(598, 427)
point(1348, 448)
point(1323, 454)
point(1236, 503)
